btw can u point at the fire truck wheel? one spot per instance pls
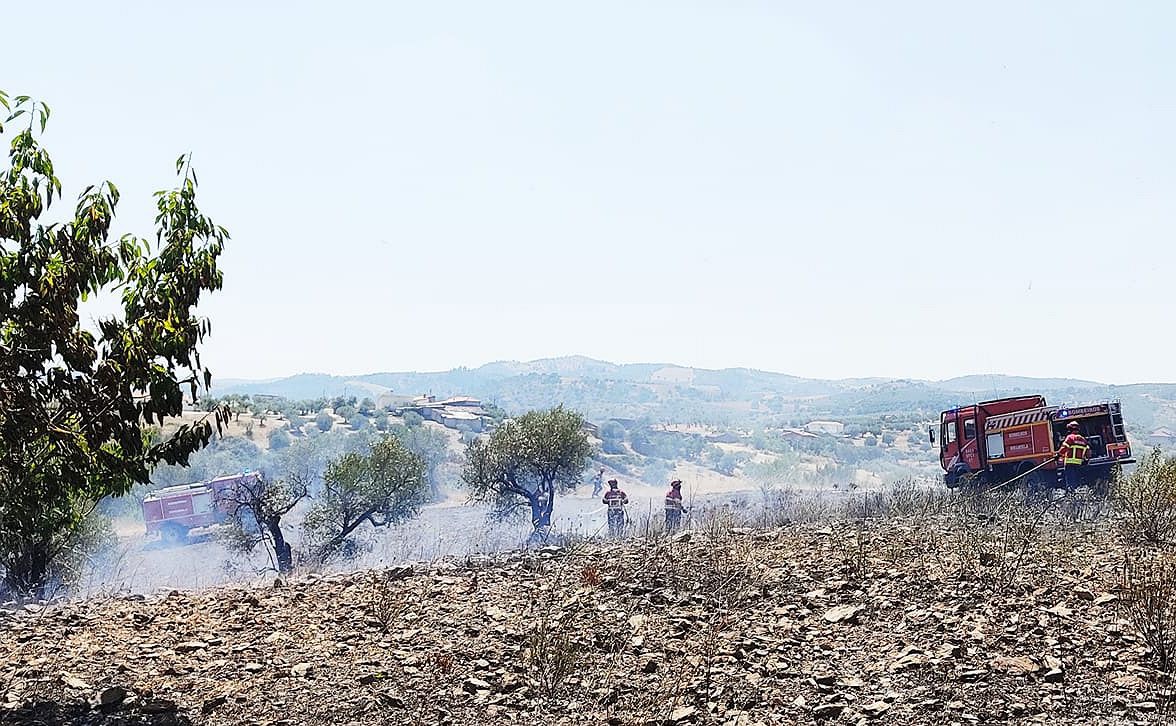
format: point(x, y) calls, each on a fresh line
point(171, 534)
point(1036, 483)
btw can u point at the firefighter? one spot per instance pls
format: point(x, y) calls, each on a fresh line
point(615, 499)
point(674, 507)
point(598, 482)
point(1073, 454)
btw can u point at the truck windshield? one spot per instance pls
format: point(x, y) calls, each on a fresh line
point(949, 433)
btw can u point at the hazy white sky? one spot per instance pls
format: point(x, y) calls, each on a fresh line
point(826, 189)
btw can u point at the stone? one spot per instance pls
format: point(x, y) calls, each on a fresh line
point(73, 681)
point(112, 696)
point(1016, 665)
point(876, 709)
point(909, 661)
point(1055, 675)
point(191, 646)
point(828, 710)
point(473, 685)
point(682, 714)
point(301, 670)
point(211, 704)
point(843, 613)
point(1060, 610)
point(159, 705)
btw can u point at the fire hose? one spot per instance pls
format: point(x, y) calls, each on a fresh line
point(1021, 475)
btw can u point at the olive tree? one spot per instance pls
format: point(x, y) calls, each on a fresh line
point(382, 486)
point(256, 507)
point(526, 461)
point(74, 400)
point(431, 445)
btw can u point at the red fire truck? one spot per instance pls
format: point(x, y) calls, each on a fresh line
point(172, 512)
point(997, 441)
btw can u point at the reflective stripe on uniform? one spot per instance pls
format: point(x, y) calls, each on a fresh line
point(1076, 450)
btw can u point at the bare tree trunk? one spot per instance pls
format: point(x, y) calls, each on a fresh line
point(282, 549)
point(542, 503)
point(27, 573)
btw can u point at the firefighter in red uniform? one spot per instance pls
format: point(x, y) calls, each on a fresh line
point(1073, 454)
point(615, 499)
point(674, 506)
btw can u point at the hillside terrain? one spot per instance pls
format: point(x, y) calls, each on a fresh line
point(731, 398)
point(927, 615)
point(761, 428)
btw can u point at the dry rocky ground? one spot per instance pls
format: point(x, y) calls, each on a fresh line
point(938, 616)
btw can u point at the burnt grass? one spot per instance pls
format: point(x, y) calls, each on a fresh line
point(990, 613)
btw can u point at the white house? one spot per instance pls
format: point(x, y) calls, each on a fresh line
point(833, 428)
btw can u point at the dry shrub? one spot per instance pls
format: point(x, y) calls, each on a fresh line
point(387, 607)
point(440, 663)
point(590, 576)
point(552, 654)
point(913, 498)
point(718, 521)
point(1148, 602)
point(1146, 499)
point(994, 535)
point(786, 506)
point(854, 552)
point(437, 667)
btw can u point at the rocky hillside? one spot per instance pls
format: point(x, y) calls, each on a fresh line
point(738, 398)
point(931, 617)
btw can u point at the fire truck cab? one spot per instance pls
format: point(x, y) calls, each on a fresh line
point(995, 442)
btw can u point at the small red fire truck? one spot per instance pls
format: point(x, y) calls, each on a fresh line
point(174, 511)
point(994, 442)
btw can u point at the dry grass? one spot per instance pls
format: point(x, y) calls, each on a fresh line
point(1148, 602)
point(1146, 500)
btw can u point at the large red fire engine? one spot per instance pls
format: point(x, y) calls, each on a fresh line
point(173, 512)
point(997, 441)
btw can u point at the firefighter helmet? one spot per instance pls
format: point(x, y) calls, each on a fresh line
point(1072, 426)
point(676, 483)
point(613, 483)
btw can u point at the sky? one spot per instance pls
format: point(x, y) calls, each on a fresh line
point(836, 189)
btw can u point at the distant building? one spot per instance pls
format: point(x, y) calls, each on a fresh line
point(461, 413)
point(832, 428)
point(797, 434)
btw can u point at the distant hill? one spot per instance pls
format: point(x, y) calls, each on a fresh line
point(993, 382)
point(732, 397)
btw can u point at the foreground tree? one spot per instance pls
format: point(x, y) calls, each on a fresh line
point(383, 486)
point(256, 508)
point(526, 461)
point(73, 401)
